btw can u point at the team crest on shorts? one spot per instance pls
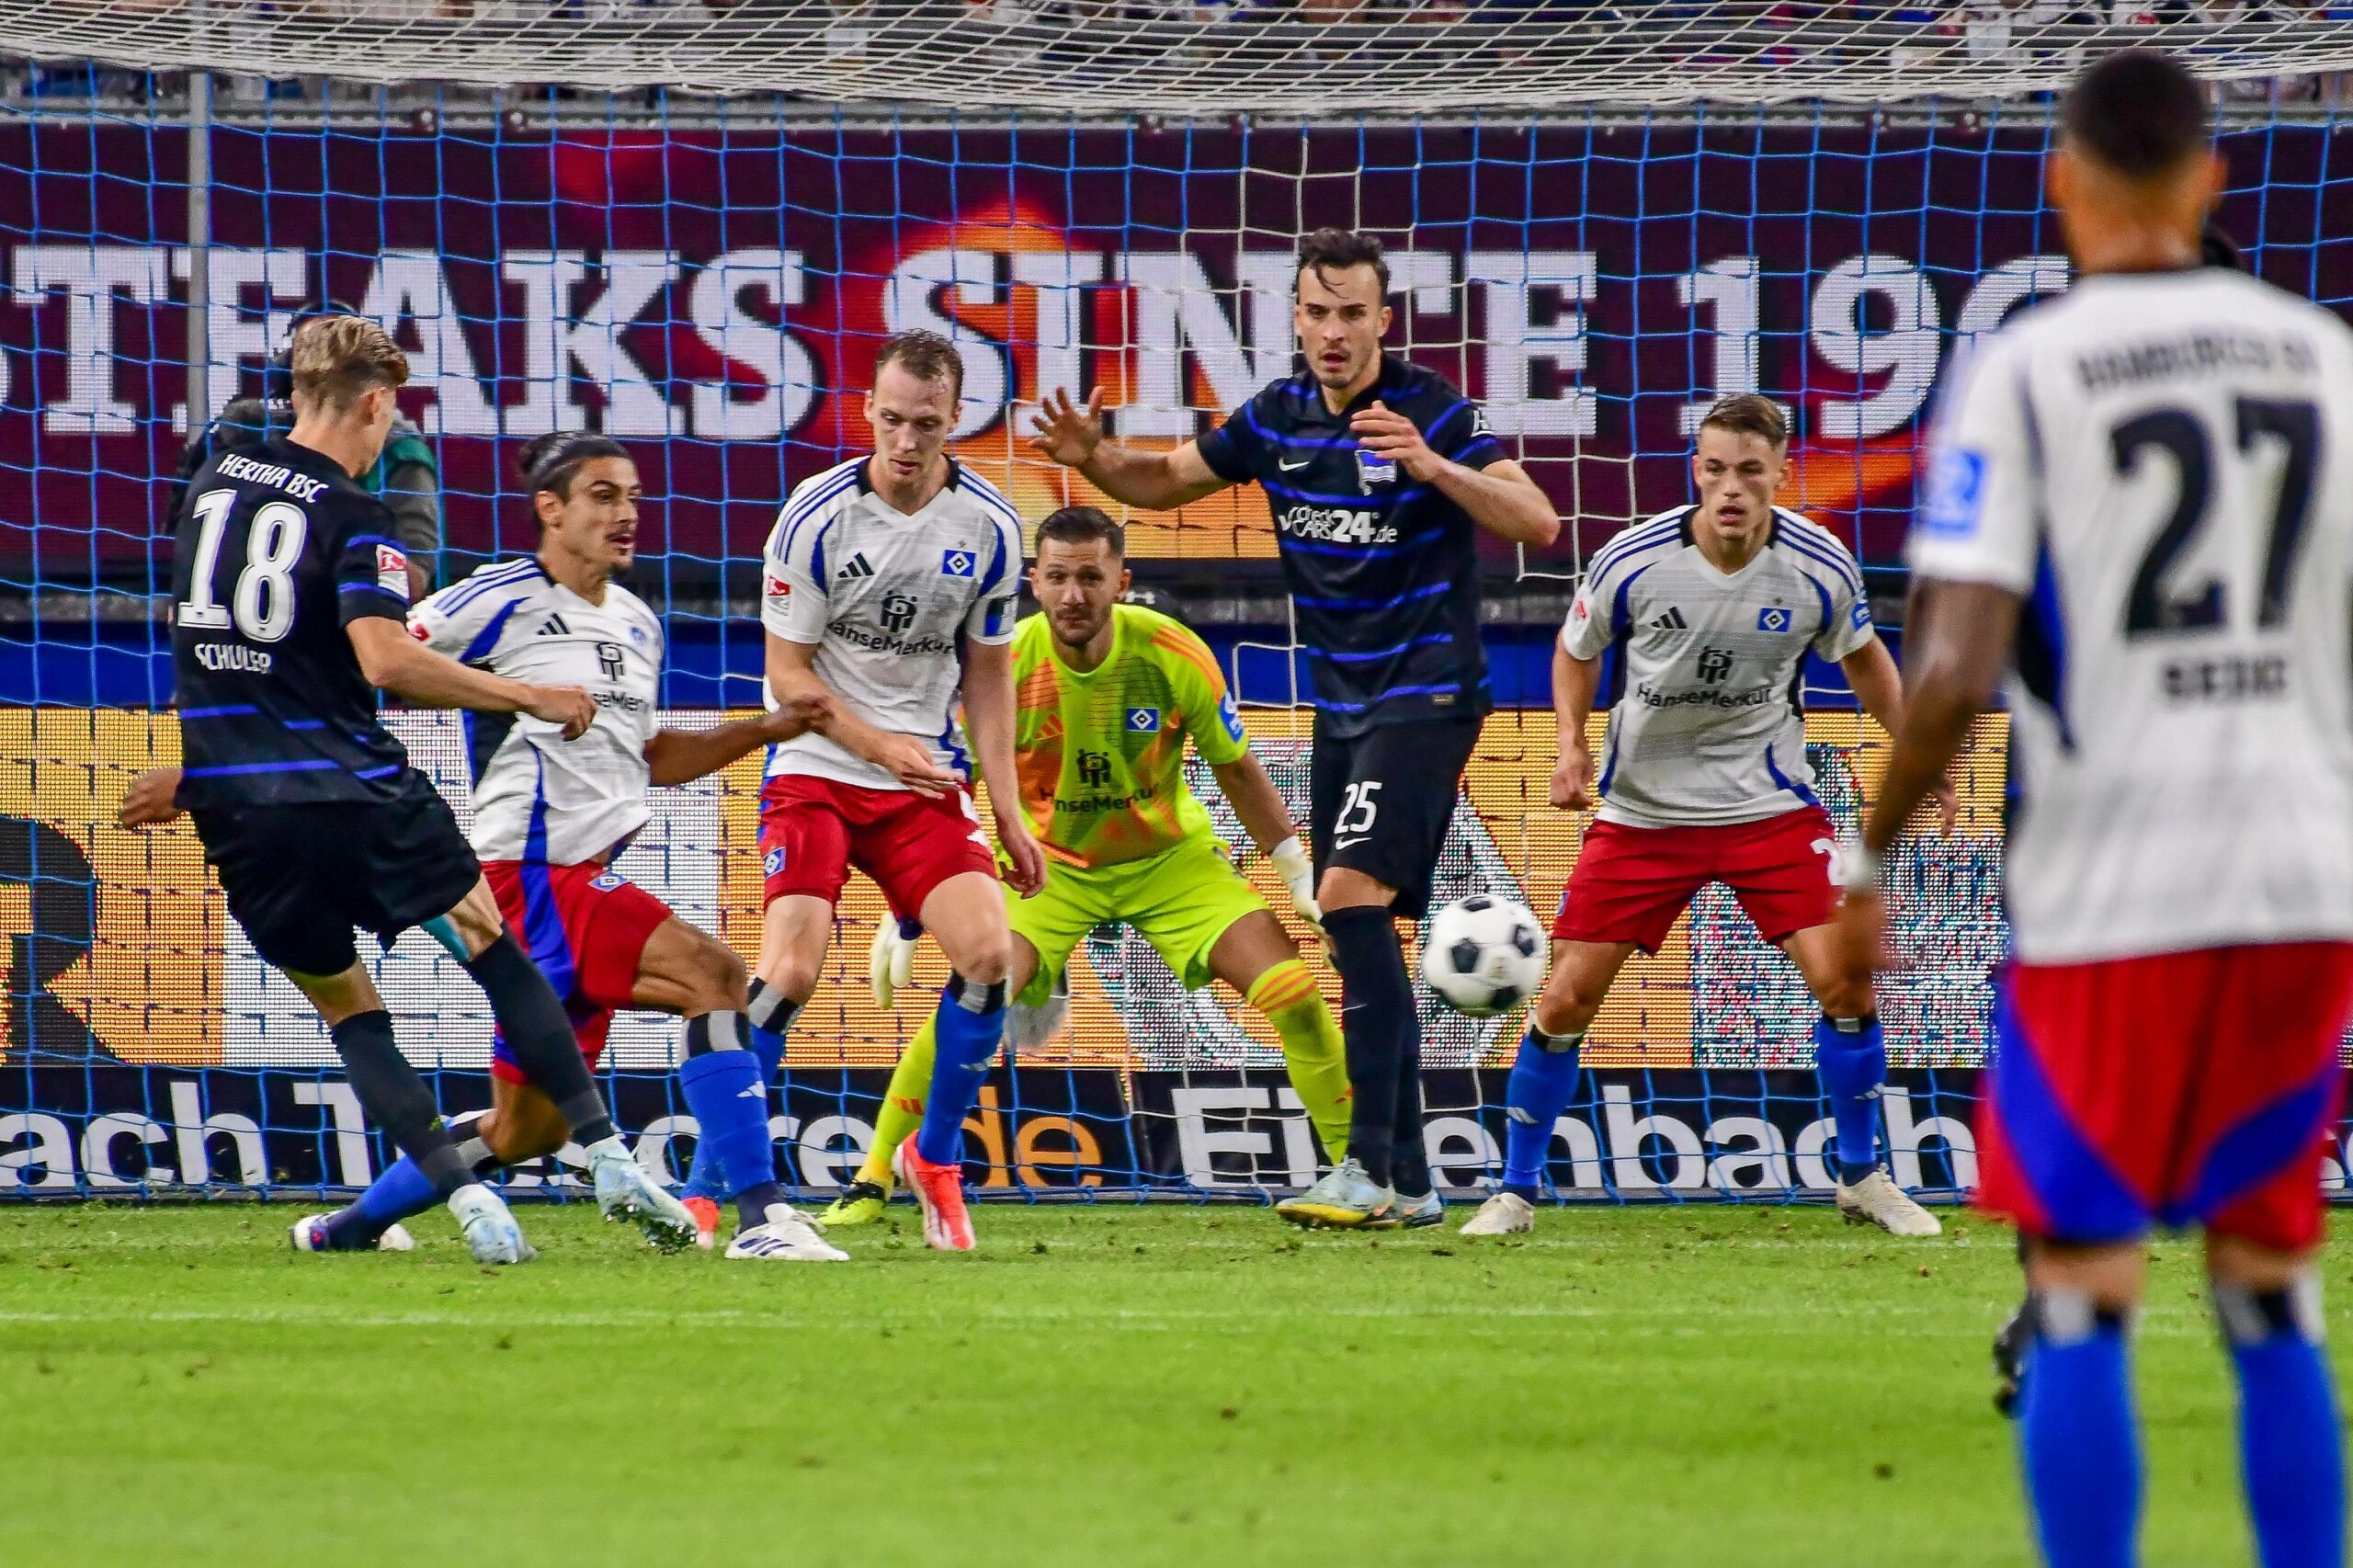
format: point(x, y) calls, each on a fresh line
point(608, 882)
point(1143, 720)
point(774, 863)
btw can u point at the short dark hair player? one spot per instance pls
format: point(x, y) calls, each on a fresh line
point(1378, 475)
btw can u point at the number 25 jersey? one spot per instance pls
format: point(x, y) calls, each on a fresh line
point(2161, 464)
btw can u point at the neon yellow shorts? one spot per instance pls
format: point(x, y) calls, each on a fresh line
point(1181, 901)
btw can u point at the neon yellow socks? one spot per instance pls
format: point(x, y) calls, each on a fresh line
point(1313, 1050)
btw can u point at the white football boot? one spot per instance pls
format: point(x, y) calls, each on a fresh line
point(625, 1192)
point(310, 1234)
point(491, 1234)
point(785, 1236)
point(1505, 1214)
point(1876, 1201)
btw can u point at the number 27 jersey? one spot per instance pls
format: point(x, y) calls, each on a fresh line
point(2161, 465)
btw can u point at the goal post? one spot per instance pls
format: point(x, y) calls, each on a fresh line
point(707, 278)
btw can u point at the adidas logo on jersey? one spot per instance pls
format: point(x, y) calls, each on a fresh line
point(855, 566)
point(1671, 621)
point(553, 626)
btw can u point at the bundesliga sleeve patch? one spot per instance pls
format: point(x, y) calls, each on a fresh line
point(776, 587)
point(392, 570)
point(1232, 715)
point(1956, 494)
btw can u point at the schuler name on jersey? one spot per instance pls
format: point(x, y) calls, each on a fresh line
point(277, 549)
point(539, 797)
point(2161, 464)
point(889, 600)
point(1709, 728)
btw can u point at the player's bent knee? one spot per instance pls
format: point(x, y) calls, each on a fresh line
point(718, 981)
point(1342, 887)
point(470, 925)
point(988, 961)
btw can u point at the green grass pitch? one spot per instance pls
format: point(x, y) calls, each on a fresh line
point(1171, 1385)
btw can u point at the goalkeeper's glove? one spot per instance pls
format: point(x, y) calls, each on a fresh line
point(1292, 865)
point(891, 963)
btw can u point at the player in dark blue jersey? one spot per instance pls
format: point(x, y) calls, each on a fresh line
point(289, 602)
point(1378, 475)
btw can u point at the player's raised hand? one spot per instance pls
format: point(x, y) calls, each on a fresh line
point(1572, 779)
point(1025, 863)
point(1386, 433)
point(1066, 433)
point(794, 716)
point(569, 706)
point(149, 801)
point(910, 762)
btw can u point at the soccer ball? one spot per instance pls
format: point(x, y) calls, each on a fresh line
point(1484, 955)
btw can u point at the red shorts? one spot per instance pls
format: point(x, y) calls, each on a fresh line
point(813, 830)
point(1631, 883)
point(2184, 1088)
point(587, 927)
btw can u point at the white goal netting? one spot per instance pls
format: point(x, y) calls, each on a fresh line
point(1096, 58)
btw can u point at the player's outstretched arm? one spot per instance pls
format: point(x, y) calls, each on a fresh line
point(1267, 820)
point(988, 717)
point(681, 756)
point(794, 680)
point(397, 663)
point(1500, 498)
point(1872, 674)
point(1576, 682)
point(1157, 482)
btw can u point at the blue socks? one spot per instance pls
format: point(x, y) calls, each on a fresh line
point(2077, 1440)
point(1851, 1056)
point(767, 1015)
point(1542, 1082)
point(971, 1023)
point(2292, 1451)
point(729, 1095)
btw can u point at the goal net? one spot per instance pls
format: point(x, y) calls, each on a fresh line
point(706, 280)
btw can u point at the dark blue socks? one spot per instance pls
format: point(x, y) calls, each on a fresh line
point(1851, 1056)
point(2077, 1441)
point(1379, 1027)
point(971, 1023)
point(1543, 1083)
point(2292, 1451)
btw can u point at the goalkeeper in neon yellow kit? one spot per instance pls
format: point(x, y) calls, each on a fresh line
point(1107, 695)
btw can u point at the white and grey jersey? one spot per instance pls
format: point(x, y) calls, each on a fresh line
point(536, 796)
point(1708, 727)
point(889, 600)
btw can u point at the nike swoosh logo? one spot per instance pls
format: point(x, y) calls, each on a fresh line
point(1340, 844)
point(1292, 467)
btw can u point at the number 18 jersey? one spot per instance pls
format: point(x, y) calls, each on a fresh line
point(2161, 464)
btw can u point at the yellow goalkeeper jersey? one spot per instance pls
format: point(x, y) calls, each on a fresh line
point(1101, 751)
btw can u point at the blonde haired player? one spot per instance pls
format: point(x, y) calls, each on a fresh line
point(1108, 694)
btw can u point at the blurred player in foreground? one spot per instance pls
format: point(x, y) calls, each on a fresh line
point(1379, 477)
point(889, 592)
point(289, 598)
point(2143, 505)
point(1107, 694)
point(1712, 608)
point(550, 817)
